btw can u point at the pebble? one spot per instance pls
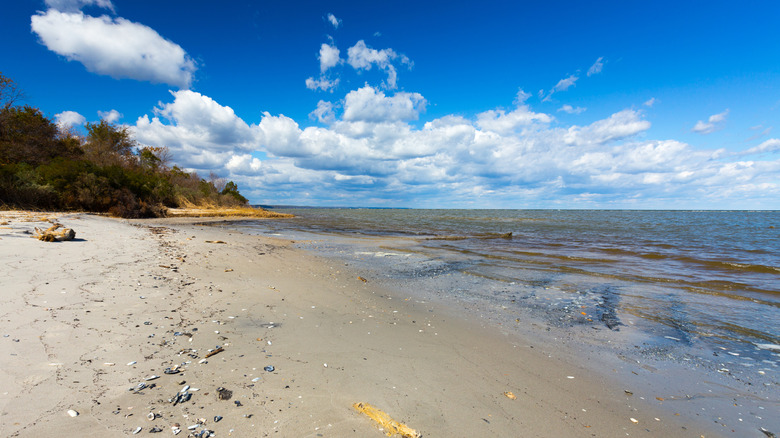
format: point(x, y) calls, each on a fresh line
point(73, 413)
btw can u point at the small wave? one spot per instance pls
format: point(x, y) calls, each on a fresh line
point(773, 347)
point(477, 236)
point(381, 254)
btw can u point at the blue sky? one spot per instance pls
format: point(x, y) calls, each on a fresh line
point(426, 104)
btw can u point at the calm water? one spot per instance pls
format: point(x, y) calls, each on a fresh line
point(694, 277)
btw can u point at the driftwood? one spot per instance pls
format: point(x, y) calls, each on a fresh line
point(390, 426)
point(55, 233)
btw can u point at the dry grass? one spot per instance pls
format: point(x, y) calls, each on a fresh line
point(7, 216)
point(226, 212)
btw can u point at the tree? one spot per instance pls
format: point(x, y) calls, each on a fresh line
point(9, 92)
point(231, 189)
point(26, 136)
point(108, 144)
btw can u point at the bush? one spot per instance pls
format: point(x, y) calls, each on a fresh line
point(41, 167)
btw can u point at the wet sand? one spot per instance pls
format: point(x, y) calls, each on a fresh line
point(85, 321)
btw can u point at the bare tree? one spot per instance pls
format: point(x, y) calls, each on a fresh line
point(9, 92)
point(217, 182)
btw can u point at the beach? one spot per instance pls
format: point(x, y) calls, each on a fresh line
point(90, 326)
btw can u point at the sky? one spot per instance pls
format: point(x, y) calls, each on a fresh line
point(435, 104)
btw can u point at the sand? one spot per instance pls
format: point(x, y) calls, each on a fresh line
point(85, 321)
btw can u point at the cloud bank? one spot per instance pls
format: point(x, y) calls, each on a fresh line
point(370, 152)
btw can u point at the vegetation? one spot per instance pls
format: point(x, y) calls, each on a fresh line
point(42, 167)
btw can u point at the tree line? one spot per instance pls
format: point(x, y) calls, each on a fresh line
point(44, 167)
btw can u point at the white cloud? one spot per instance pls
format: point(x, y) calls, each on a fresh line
point(618, 126)
point(650, 102)
point(572, 110)
point(334, 21)
point(115, 47)
point(110, 116)
point(771, 145)
point(66, 119)
point(370, 105)
point(565, 83)
point(521, 97)
point(329, 57)
point(596, 67)
point(505, 123)
point(324, 112)
point(714, 123)
point(369, 153)
point(562, 85)
point(77, 5)
point(243, 164)
point(321, 84)
point(200, 133)
point(362, 57)
point(282, 136)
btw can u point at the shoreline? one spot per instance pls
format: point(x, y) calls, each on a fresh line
point(80, 309)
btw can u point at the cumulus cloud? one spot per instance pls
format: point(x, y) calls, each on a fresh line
point(334, 21)
point(714, 123)
point(110, 116)
point(329, 57)
point(371, 105)
point(370, 153)
point(324, 112)
point(362, 57)
point(571, 110)
point(244, 164)
point(114, 47)
point(199, 132)
point(67, 119)
point(321, 84)
point(596, 67)
point(504, 123)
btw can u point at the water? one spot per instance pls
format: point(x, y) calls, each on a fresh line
point(698, 286)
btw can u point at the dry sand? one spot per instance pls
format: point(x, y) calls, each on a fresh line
point(86, 320)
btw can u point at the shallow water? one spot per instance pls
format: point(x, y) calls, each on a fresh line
point(701, 273)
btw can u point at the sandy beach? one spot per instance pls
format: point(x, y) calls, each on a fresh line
point(84, 322)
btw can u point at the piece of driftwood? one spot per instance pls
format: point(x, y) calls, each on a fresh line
point(390, 426)
point(55, 233)
point(218, 350)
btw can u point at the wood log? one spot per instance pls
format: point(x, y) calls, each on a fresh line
point(55, 233)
